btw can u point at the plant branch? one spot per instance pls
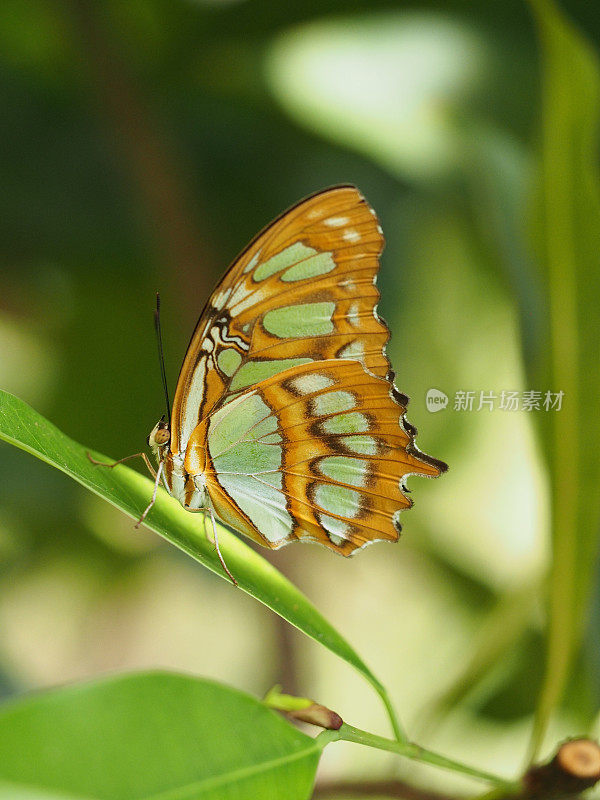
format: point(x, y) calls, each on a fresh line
point(348, 733)
point(574, 768)
point(389, 788)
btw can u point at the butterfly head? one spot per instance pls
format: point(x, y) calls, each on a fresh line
point(159, 438)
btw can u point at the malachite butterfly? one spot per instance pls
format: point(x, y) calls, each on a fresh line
point(286, 423)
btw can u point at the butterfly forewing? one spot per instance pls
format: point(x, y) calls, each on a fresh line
point(302, 291)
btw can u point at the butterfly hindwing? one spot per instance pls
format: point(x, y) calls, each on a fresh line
point(318, 452)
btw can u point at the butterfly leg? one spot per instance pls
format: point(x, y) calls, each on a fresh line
point(153, 500)
point(121, 460)
point(216, 543)
point(207, 532)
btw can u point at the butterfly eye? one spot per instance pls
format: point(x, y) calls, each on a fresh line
point(162, 436)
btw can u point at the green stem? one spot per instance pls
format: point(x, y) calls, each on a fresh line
point(500, 793)
point(399, 732)
point(348, 733)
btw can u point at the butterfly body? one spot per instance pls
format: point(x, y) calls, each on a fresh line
point(286, 422)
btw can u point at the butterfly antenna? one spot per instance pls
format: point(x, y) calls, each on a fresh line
point(161, 355)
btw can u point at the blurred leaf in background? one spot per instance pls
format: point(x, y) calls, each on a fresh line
point(568, 233)
point(143, 145)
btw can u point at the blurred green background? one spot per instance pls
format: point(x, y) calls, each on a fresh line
point(143, 145)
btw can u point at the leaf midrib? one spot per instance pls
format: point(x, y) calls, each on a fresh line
point(181, 792)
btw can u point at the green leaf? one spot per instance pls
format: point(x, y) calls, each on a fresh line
point(162, 736)
point(568, 233)
point(129, 491)
point(152, 735)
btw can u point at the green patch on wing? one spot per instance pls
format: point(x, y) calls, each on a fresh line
point(229, 360)
point(333, 403)
point(247, 467)
point(256, 371)
point(347, 423)
point(262, 500)
point(363, 445)
point(250, 458)
point(345, 469)
point(337, 500)
point(302, 319)
point(320, 264)
point(238, 420)
point(291, 255)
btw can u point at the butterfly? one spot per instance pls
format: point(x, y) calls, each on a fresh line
point(286, 423)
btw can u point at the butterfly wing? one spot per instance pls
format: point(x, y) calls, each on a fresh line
point(291, 331)
point(302, 291)
point(319, 452)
